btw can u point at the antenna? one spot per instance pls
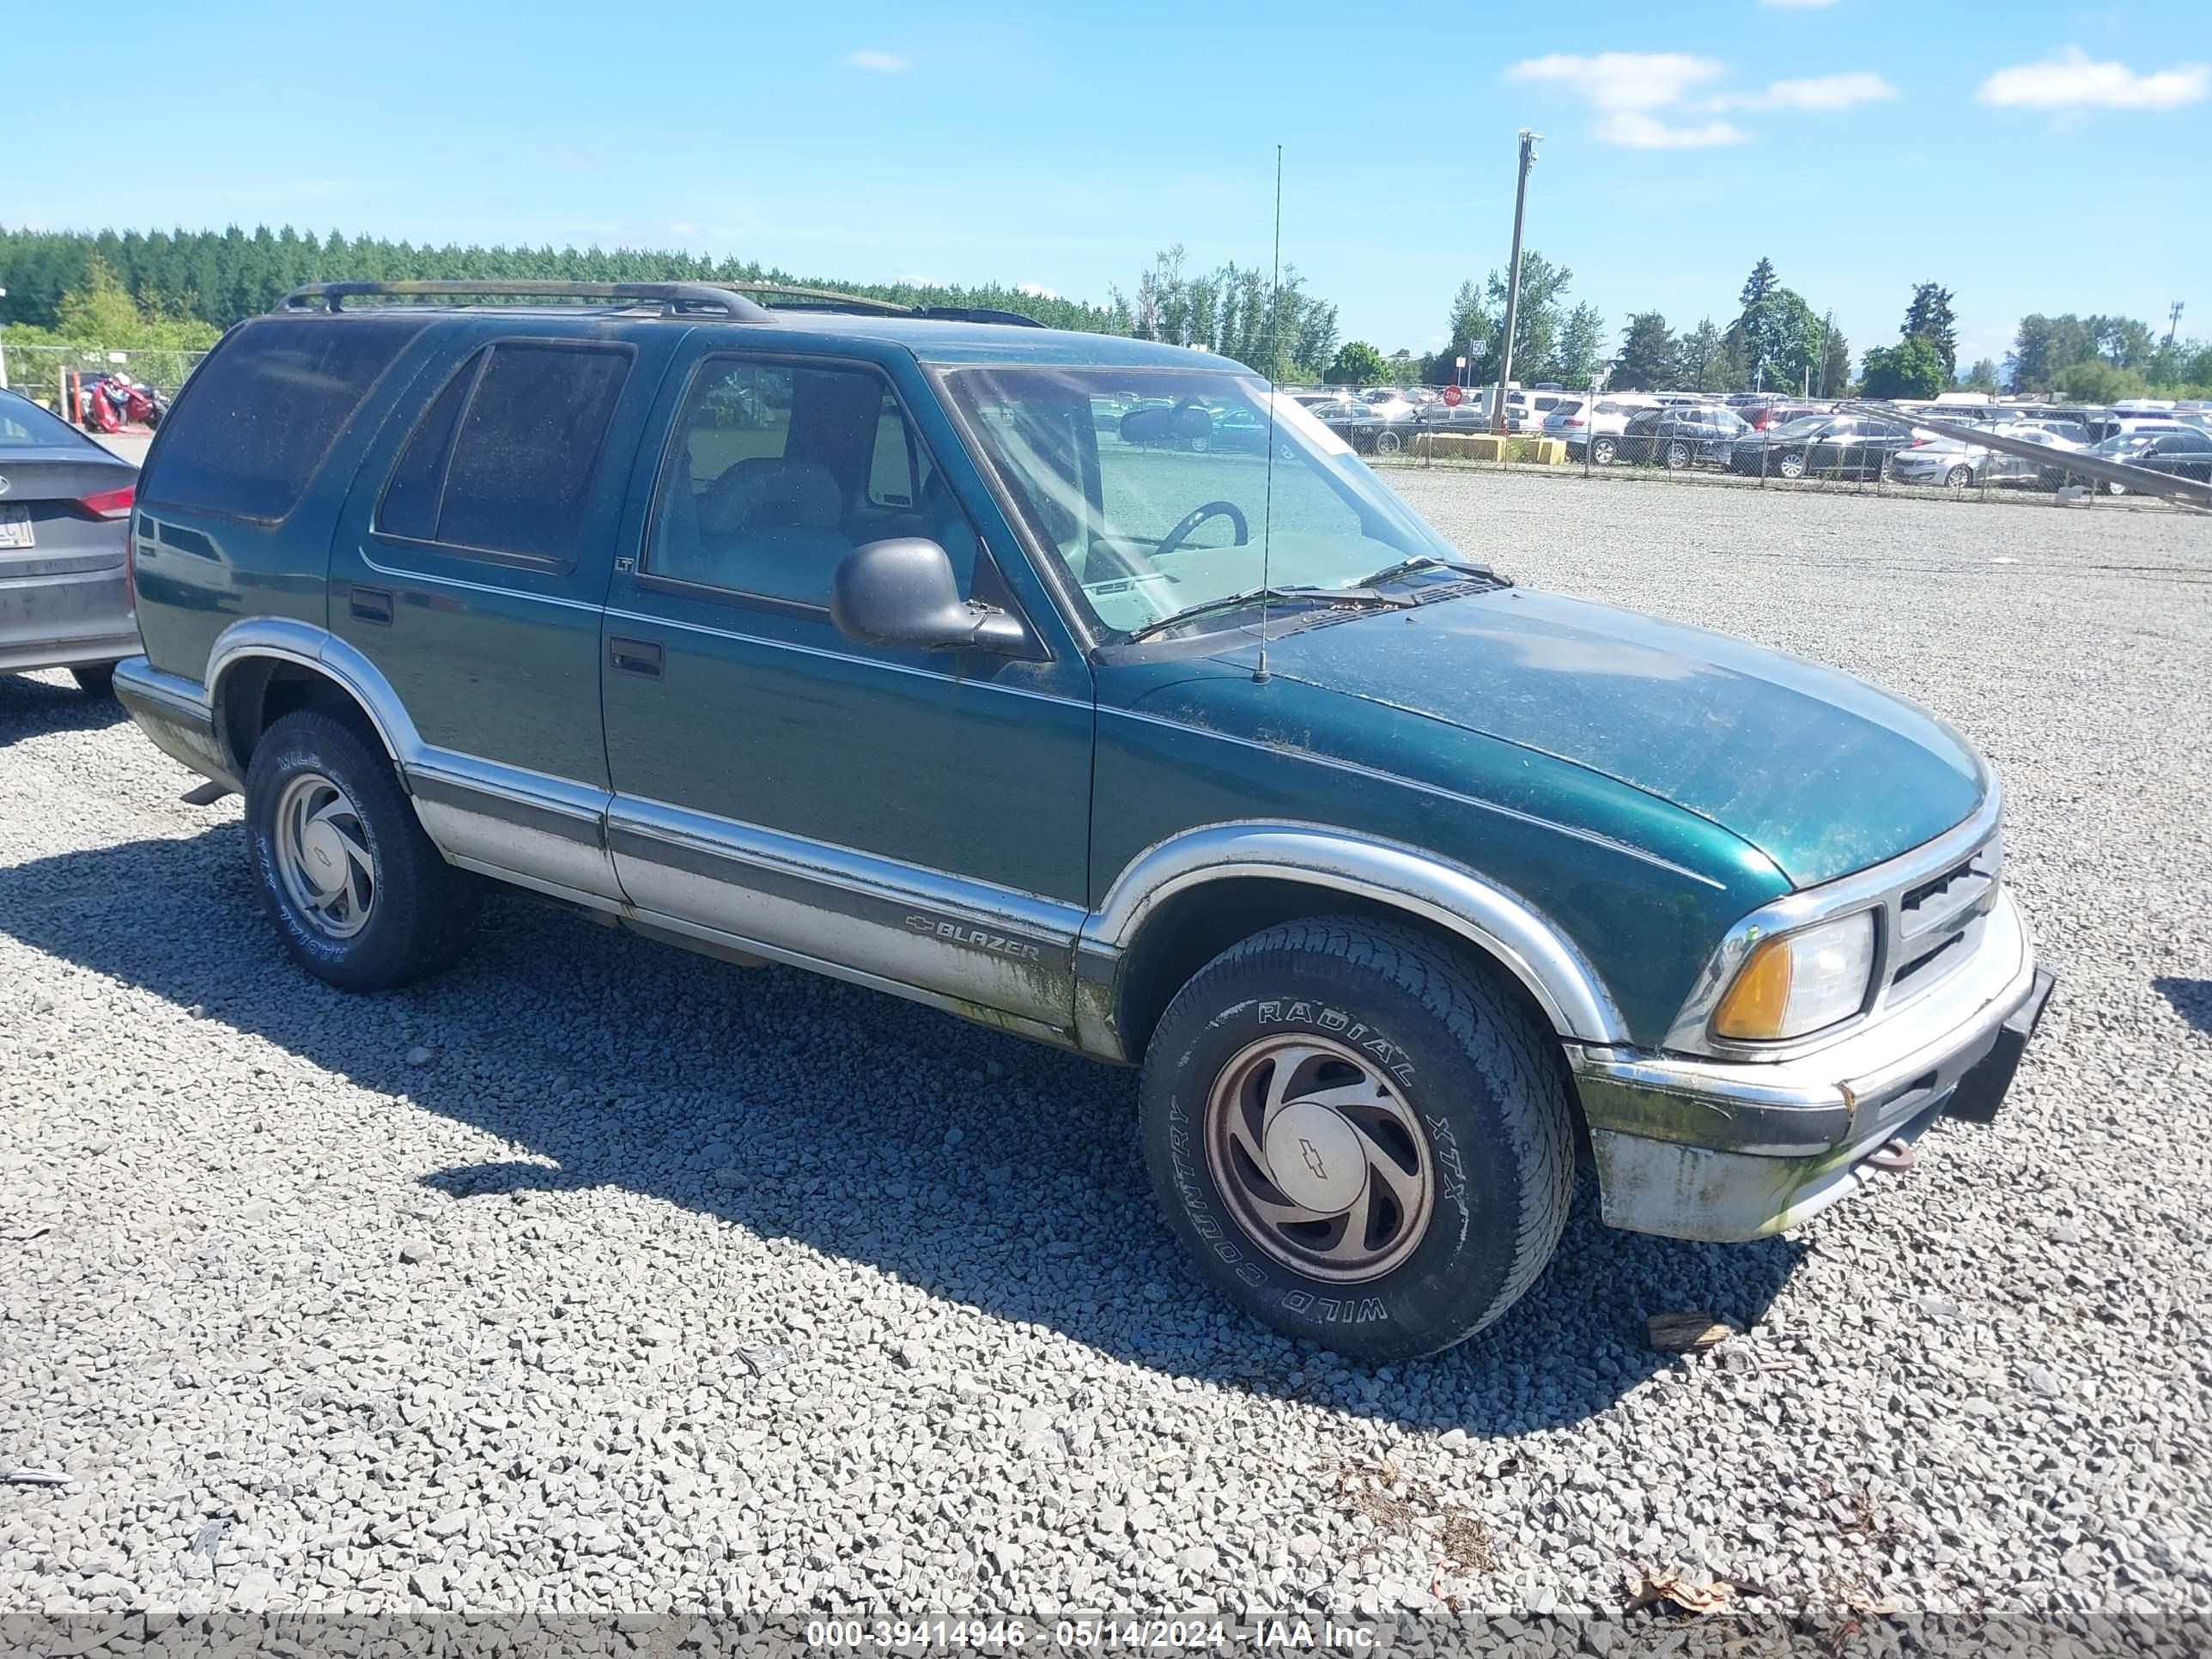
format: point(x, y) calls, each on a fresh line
point(1274, 357)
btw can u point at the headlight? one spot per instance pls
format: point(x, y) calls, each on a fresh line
point(1798, 982)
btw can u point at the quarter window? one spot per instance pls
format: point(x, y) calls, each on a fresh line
point(776, 470)
point(505, 459)
point(251, 428)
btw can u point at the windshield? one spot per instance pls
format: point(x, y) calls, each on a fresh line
point(1168, 507)
point(1803, 427)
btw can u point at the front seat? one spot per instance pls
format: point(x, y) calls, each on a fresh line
point(769, 526)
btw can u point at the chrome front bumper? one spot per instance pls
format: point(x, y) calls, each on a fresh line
point(1726, 1150)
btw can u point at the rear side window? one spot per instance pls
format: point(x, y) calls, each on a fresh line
point(503, 461)
point(252, 429)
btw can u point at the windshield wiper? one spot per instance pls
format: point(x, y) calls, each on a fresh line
point(1362, 595)
point(1390, 572)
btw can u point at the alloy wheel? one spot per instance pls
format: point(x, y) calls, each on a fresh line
point(1322, 1159)
point(1791, 466)
point(1678, 455)
point(1959, 478)
point(1602, 452)
point(323, 857)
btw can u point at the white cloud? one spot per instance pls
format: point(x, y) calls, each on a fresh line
point(1034, 290)
point(1824, 92)
point(2072, 81)
point(1633, 130)
point(883, 63)
point(1623, 80)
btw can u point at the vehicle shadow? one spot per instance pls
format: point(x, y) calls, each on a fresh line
point(967, 1162)
point(37, 708)
point(2190, 997)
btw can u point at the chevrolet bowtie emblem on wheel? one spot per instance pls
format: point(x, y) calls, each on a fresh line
point(1312, 1154)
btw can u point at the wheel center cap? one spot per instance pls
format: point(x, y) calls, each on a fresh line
point(323, 857)
point(1315, 1157)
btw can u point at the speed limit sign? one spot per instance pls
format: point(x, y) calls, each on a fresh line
point(1454, 396)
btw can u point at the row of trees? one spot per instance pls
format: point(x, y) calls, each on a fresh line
point(213, 278)
point(2101, 359)
point(1775, 342)
point(1277, 328)
point(217, 278)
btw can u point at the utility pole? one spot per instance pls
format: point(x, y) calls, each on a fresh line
point(2172, 324)
point(1529, 142)
point(4, 351)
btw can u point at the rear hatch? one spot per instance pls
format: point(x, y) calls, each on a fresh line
point(45, 528)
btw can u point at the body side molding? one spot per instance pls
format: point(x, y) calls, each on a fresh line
point(1501, 923)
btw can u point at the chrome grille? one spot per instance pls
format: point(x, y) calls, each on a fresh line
point(1932, 926)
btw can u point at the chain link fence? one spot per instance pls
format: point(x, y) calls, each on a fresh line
point(42, 372)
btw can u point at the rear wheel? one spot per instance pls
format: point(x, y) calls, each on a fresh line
point(360, 897)
point(1388, 443)
point(1200, 444)
point(1678, 455)
point(95, 679)
point(1358, 1137)
point(1604, 451)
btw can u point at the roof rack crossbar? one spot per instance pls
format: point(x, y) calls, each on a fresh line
point(673, 297)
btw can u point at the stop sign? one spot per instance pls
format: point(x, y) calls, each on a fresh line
point(1454, 396)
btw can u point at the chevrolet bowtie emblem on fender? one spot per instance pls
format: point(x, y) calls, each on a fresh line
point(1313, 1159)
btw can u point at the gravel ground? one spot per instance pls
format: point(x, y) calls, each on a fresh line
point(595, 1275)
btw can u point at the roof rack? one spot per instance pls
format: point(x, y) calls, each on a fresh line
point(674, 298)
point(833, 300)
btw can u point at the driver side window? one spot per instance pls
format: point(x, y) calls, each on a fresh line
point(776, 470)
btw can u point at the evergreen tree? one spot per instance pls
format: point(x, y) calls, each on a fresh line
point(1650, 359)
point(1929, 318)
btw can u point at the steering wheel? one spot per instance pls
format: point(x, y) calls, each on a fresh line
point(1175, 538)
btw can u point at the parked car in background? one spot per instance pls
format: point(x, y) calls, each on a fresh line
point(1594, 427)
point(1469, 878)
point(1682, 436)
point(2179, 452)
point(65, 543)
point(1959, 464)
point(1822, 446)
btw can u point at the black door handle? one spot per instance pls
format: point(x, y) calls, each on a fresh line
point(371, 604)
point(634, 656)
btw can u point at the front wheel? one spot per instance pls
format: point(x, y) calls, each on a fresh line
point(1200, 444)
point(1360, 1140)
point(1791, 466)
point(1959, 476)
point(1389, 443)
point(359, 895)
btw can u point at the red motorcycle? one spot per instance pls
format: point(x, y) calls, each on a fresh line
point(109, 403)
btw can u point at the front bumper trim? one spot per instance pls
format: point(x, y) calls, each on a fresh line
point(1720, 1150)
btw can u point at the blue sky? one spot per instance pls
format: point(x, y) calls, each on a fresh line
point(2032, 154)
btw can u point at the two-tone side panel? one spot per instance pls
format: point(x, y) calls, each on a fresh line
point(914, 819)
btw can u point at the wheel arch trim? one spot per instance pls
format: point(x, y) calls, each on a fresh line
point(1502, 924)
point(282, 640)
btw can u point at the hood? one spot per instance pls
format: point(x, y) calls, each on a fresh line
point(1820, 771)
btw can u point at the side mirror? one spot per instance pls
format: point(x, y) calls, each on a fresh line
point(903, 592)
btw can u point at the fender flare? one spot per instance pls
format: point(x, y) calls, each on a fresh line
point(1503, 926)
point(284, 639)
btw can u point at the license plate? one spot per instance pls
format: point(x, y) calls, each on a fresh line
point(15, 527)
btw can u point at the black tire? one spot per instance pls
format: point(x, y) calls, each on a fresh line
point(424, 909)
point(1604, 451)
point(1959, 476)
point(95, 679)
point(1679, 455)
point(1478, 1078)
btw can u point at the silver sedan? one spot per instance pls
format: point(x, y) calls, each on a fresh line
point(1954, 462)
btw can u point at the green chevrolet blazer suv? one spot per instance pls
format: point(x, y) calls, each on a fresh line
point(1085, 687)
